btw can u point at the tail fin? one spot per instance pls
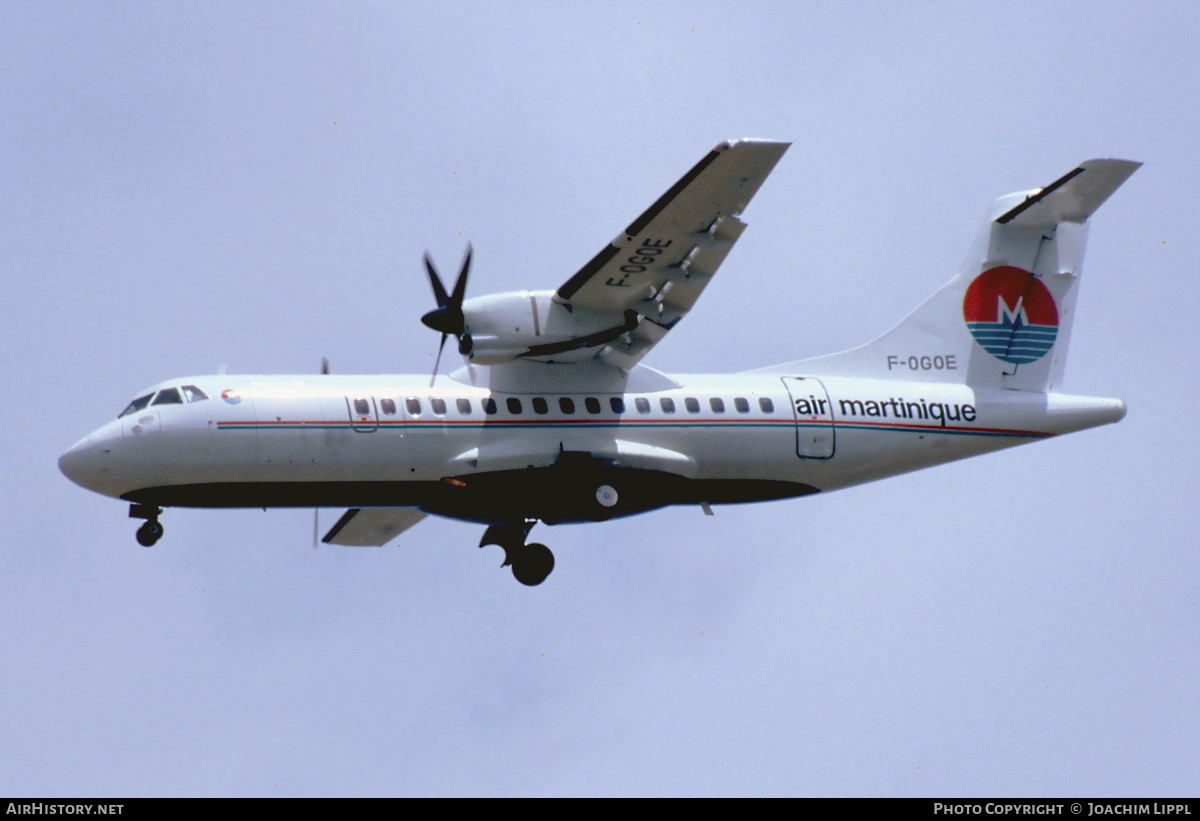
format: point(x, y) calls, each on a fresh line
point(1005, 319)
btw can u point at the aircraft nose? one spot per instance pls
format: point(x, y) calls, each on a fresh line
point(86, 463)
point(78, 461)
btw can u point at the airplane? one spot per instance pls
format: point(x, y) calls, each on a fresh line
point(554, 419)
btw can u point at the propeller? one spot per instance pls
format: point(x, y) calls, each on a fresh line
point(448, 317)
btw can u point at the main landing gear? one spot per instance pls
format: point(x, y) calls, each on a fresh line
point(531, 563)
point(150, 532)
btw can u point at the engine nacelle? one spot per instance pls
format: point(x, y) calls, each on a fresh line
point(532, 325)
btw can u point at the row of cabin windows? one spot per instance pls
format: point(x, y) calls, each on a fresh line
point(167, 396)
point(566, 405)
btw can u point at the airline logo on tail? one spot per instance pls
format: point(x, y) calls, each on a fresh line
point(1011, 314)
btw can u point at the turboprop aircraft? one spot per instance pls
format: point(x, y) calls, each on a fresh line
point(554, 418)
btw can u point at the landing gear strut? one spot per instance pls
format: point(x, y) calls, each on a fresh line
point(531, 563)
point(150, 532)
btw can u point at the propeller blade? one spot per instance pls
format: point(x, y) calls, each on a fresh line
point(439, 290)
point(460, 285)
point(437, 361)
point(316, 513)
point(324, 366)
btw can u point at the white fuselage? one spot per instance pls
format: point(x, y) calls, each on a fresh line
point(363, 441)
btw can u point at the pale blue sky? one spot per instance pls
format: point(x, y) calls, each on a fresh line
point(191, 184)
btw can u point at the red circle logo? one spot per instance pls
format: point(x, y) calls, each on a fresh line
point(1011, 314)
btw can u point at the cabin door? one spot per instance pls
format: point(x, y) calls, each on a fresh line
point(814, 417)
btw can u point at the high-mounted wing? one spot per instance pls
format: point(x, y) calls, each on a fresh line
point(649, 277)
point(372, 526)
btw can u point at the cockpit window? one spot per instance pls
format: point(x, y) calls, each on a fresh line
point(193, 394)
point(136, 405)
point(170, 396)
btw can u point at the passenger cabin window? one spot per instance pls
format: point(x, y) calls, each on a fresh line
point(667, 404)
point(592, 404)
point(362, 407)
point(388, 406)
point(413, 406)
point(136, 405)
point(566, 405)
point(717, 404)
point(193, 394)
point(489, 405)
point(642, 404)
point(617, 404)
point(464, 406)
point(539, 405)
point(692, 404)
point(438, 406)
point(514, 405)
point(170, 396)
point(765, 404)
point(741, 404)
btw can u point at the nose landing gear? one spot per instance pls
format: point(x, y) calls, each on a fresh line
point(150, 532)
point(531, 563)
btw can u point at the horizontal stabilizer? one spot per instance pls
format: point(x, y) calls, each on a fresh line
point(1073, 197)
point(373, 526)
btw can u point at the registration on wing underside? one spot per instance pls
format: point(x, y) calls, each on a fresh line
point(664, 259)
